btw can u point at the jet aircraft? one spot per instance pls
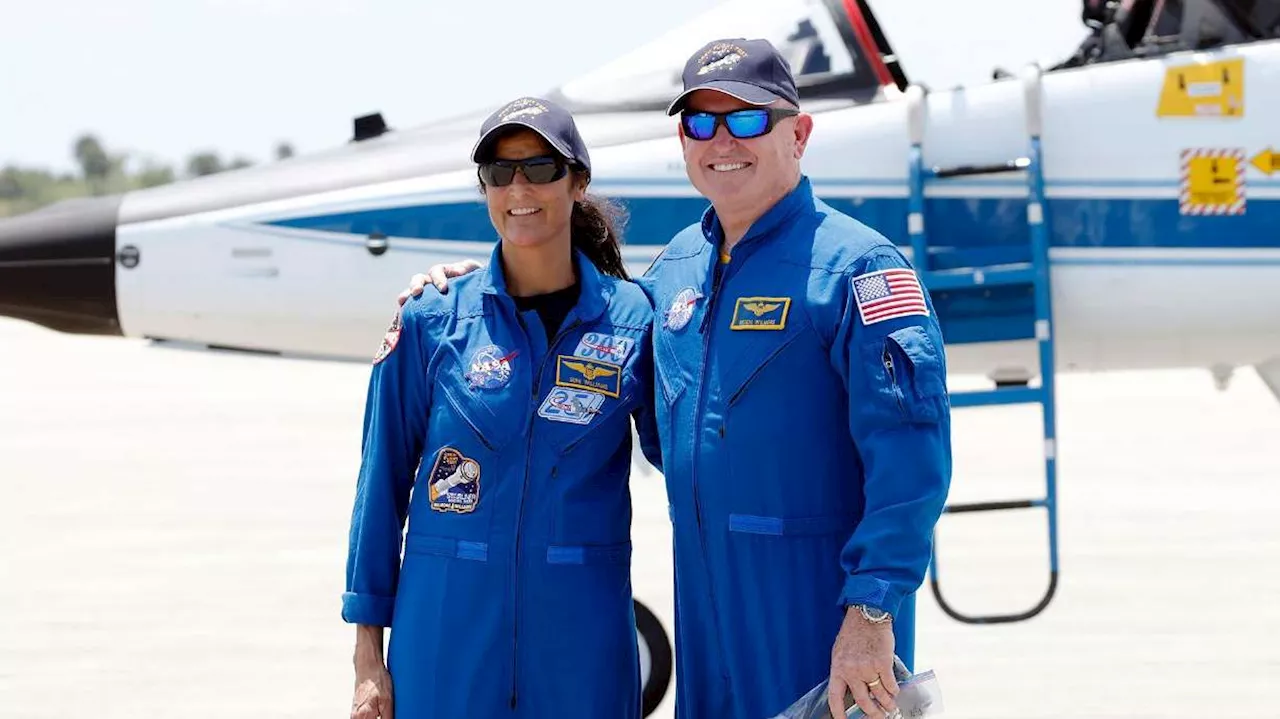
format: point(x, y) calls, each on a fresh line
point(1117, 210)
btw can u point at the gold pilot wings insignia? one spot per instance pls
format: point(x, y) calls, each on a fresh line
point(760, 313)
point(589, 371)
point(588, 374)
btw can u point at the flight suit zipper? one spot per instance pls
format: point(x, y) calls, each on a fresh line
point(524, 490)
point(707, 330)
point(893, 379)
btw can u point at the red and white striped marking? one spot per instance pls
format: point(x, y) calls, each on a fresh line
point(1186, 200)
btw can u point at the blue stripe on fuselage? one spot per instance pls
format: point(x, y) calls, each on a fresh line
point(960, 223)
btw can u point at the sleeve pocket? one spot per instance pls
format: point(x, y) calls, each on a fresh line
point(909, 375)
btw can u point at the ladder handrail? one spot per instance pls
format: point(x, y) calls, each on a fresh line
point(1039, 277)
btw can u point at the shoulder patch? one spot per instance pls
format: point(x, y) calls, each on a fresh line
point(889, 294)
point(390, 338)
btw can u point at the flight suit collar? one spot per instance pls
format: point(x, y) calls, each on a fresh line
point(592, 297)
point(800, 199)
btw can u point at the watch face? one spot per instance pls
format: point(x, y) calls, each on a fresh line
point(873, 614)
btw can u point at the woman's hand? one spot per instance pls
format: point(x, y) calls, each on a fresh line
point(373, 698)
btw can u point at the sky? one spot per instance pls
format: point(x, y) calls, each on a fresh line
point(165, 78)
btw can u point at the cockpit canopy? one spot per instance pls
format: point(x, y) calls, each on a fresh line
point(1127, 29)
point(822, 40)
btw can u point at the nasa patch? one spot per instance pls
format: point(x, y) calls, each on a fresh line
point(612, 348)
point(681, 309)
point(574, 406)
point(390, 339)
point(455, 482)
point(490, 368)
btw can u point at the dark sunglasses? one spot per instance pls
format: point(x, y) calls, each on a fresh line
point(538, 170)
point(742, 124)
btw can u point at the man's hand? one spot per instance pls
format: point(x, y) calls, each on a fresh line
point(862, 662)
point(439, 276)
point(373, 694)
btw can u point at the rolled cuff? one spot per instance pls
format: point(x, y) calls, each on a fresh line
point(863, 589)
point(369, 609)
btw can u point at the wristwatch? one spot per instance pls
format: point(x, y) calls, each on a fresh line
point(872, 614)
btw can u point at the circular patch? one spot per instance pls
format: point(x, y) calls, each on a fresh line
point(490, 368)
point(390, 339)
point(470, 470)
point(681, 309)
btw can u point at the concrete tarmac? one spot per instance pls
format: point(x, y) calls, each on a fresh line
point(173, 535)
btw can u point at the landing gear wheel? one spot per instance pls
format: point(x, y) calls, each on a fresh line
point(656, 660)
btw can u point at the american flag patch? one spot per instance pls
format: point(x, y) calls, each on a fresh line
point(888, 294)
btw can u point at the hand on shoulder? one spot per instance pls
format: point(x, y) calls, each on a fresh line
point(438, 276)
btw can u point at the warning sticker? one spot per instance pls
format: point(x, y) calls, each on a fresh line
point(1212, 182)
point(1205, 89)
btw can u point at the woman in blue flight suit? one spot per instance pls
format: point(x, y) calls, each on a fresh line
point(498, 426)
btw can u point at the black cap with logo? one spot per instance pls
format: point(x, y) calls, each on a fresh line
point(554, 123)
point(751, 70)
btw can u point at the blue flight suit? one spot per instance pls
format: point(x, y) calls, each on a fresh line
point(510, 461)
point(805, 429)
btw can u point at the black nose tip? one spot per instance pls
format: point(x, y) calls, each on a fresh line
point(57, 266)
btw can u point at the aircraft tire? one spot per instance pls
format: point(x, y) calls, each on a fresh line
point(656, 659)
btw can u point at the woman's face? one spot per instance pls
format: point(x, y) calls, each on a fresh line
point(525, 214)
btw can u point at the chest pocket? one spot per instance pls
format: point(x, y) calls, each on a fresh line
point(590, 385)
point(675, 360)
point(569, 416)
point(486, 392)
point(760, 335)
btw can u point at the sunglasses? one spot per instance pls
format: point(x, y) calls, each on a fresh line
point(538, 170)
point(742, 124)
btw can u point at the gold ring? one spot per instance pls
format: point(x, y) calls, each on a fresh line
point(873, 683)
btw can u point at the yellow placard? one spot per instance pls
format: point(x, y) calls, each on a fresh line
point(1212, 182)
point(1203, 89)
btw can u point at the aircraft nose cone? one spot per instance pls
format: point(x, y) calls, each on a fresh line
point(57, 266)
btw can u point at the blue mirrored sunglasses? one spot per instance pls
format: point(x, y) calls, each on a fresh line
point(742, 124)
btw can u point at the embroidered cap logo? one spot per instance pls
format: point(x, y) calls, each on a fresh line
point(524, 107)
point(721, 56)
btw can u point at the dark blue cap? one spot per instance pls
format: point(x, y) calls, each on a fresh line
point(750, 70)
point(554, 123)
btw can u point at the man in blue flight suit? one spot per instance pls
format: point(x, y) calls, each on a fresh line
point(802, 409)
point(802, 412)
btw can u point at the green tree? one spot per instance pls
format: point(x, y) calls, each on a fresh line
point(204, 163)
point(153, 175)
point(95, 164)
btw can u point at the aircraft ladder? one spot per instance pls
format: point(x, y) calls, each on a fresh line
point(998, 292)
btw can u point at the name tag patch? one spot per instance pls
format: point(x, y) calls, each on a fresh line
point(574, 406)
point(760, 313)
point(583, 373)
point(455, 482)
point(611, 348)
